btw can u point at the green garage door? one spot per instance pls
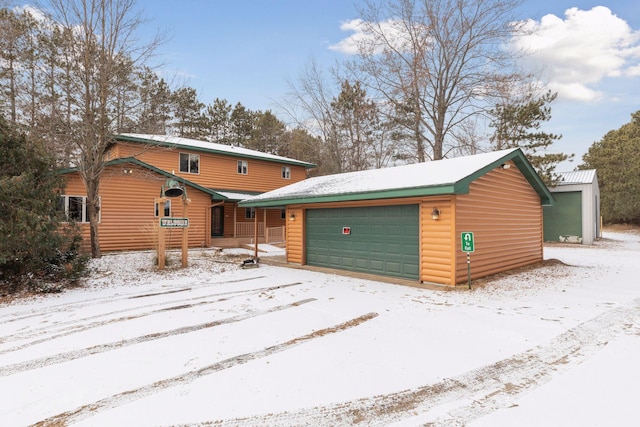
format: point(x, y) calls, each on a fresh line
point(378, 240)
point(564, 218)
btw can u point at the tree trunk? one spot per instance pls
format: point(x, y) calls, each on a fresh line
point(93, 211)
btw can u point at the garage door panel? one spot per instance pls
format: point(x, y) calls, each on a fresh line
point(564, 218)
point(383, 239)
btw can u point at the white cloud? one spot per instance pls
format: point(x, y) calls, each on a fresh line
point(365, 35)
point(578, 52)
point(350, 44)
point(36, 13)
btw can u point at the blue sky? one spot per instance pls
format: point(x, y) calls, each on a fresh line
point(246, 50)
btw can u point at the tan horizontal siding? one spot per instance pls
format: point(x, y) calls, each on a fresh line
point(435, 241)
point(295, 236)
point(505, 215)
point(216, 170)
point(127, 219)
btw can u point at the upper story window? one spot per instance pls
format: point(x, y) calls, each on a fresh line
point(75, 208)
point(166, 211)
point(286, 172)
point(189, 163)
point(243, 167)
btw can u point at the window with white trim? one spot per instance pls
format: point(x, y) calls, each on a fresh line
point(243, 167)
point(286, 172)
point(283, 214)
point(249, 213)
point(75, 208)
point(166, 211)
point(189, 163)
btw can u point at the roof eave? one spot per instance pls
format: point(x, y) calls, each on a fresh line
point(132, 160)
point(345, 197)
point(459, 187)
point(521, 162)
point(294, 162)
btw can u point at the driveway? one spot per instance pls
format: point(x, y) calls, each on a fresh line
point(215, 344)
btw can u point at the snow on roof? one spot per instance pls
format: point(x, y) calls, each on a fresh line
point(577, 177)
point(235, 195)
point(418, 175)
point(212, 146)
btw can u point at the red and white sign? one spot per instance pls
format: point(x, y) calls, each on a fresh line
point(346, 230)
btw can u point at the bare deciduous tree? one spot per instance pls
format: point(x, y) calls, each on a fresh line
point(308, 104)
point(431, 62)
point(104, 48)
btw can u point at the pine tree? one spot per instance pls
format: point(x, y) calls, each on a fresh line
point(188, 114)
point(268, 133)
point(219, 121)
point(357, 125)
point(517, 124)
point(34, 246)
point(241, 125)
point(155, 103)
point(616, 159)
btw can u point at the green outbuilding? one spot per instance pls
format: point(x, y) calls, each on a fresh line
point(575, 216)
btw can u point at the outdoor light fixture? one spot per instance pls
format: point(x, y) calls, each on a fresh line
point(505, 166)
point(435, 214)
point(292, 217)
point(127, 171)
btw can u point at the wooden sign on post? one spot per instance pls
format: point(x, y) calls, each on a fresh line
point(161, 244)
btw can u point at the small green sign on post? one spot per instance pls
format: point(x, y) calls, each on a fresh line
point(468, 246)
point(467, 241)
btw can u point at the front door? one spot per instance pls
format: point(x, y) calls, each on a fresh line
point(217, 221)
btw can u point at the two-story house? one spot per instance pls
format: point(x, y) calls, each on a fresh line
point(215, 178)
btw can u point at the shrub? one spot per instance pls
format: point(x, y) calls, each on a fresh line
point(36, 247)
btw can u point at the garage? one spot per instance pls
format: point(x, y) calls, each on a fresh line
point(407, 221)
point(376, 239)
point(564, 219)
point(575, 217)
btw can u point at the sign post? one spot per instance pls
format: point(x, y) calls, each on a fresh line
point(161, 244)
point(172, 188)
point(185, 232)
point(468, 246)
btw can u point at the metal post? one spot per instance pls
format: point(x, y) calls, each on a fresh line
point(255, 235)
point(185, 233)
point(469, 268)
point(161, 243)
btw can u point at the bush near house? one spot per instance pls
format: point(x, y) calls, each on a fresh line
point(38, 252)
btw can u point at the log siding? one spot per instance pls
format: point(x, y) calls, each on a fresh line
point(505, 215)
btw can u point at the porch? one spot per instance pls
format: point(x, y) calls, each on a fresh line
point(233, 226)
point(244, 235)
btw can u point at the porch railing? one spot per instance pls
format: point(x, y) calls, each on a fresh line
point(247, 229)
point(275, 234)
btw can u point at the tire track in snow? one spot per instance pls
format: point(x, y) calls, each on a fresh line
point(472, 394)
point(61, 329)
point(101, 348)
point(92, 409)
point(28, 314)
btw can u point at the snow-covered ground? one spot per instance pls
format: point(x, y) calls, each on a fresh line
point(214, 344)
